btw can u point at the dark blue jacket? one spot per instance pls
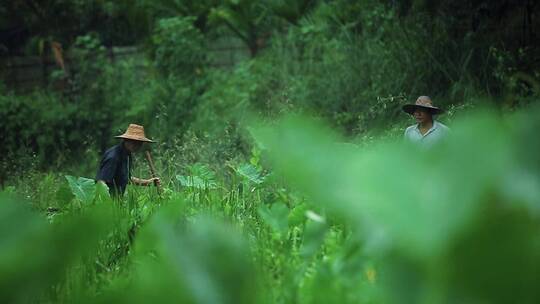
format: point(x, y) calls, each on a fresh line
point(114, 169)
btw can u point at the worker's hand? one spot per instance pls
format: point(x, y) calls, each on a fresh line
point(154, 180)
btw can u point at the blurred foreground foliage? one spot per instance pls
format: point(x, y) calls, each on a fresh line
point(458, 223)
point(384, 223)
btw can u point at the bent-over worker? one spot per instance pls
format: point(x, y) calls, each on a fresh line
point(115, 167)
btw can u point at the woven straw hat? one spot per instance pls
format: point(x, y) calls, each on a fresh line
point(422, 102)
point(135, 132)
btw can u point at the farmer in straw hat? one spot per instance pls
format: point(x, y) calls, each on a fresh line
point(115, 166)
point(427, 131)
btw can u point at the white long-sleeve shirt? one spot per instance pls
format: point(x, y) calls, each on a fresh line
point(437, 132)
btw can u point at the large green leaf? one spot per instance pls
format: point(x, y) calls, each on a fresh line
point(380, 189)
point(200, 177)
point(276, 217)
point(195, 182)
point(437, 215)
point(35, 255)
point(102, 193)
point(83, 188)
point(250, 173)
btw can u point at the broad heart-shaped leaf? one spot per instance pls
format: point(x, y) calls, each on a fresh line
point(195, 182)
point(276, 217)
point(83, 188)
point(202, 171)
point(250, 173)
point(102, 193)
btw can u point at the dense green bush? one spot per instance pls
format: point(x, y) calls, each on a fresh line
point(177, 47)
point(58, 127)
point(355, 80)
point(352, 64)
point(355, 65)
point(38, 124)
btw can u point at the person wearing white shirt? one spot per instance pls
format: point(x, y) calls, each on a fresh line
point(427, 131)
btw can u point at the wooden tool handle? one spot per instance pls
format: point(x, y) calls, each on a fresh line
point(152, 169)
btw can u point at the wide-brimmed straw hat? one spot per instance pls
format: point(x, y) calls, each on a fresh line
point(135, 132)
point(422, 103)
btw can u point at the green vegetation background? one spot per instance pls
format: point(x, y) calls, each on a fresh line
point(257, 208)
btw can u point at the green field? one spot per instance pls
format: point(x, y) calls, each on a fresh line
point(322, 222)
point(279, 128)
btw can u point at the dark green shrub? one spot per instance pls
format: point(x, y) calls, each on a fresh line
point(177, 47)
